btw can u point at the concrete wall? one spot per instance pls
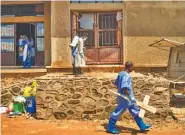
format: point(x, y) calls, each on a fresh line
point(144, 22)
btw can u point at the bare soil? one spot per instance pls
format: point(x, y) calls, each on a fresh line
point(23, 126)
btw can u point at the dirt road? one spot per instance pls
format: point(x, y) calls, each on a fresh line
point(22, 126)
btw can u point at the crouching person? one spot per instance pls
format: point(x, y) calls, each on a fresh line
point(124, 85)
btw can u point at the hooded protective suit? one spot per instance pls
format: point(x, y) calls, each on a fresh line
point(77, 47)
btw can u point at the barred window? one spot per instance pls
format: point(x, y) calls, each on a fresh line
point(107, 29)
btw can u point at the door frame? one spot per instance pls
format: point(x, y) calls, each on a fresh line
point(15, 45)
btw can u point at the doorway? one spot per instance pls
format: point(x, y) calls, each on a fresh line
point(27, 29)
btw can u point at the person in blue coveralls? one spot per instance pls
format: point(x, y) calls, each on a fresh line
point(124, 85)
point(26, 53)
point(20, 48)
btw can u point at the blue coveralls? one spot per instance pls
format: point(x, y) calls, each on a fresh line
point(74, 51)
point(27, 62)
point(123, 80)
point(20, 45)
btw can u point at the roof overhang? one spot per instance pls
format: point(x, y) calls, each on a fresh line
point(166, 43)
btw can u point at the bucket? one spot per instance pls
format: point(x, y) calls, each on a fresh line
point(18, 107)
point(31, 105)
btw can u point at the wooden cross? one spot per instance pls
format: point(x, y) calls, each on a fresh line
point(144, 105)
point(145, 102)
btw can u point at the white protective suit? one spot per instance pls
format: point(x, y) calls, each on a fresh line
point(78, 52)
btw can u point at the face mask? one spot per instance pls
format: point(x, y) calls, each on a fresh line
point(85, 39)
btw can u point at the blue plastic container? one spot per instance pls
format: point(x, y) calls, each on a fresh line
point(30, 105)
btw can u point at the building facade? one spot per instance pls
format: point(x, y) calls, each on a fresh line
point(117, 31)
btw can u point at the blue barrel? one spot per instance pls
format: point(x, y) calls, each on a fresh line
point(30, 105)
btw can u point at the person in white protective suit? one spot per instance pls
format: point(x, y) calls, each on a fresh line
point(77, 48)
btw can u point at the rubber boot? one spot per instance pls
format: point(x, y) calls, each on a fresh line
point(29, 62)
point(74, 70)
point(111, 127)
point(141, 124)
point(77, 72)
point(80, 71)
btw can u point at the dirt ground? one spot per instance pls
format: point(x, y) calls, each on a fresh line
point(23, 126)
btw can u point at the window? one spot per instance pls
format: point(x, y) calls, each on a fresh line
point(107, 29)
point(96, 1)
point(7, 38)
point(86, 27)
point(102, 28)
point(40, 36)
point(22, 10)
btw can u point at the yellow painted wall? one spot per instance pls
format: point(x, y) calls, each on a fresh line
point(60, 34)
point(144, 22)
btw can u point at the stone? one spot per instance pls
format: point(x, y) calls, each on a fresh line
point(90, 112)
point(6, 96)
point(78, 83)
point(73, 102)
point(159, 90)
point(80, 89)
point(70, 112)
point(76, 96)
point(60, 115)
point(99, 95)
point(57, 85)
point(65, 90)
point(42, 84)
point(90, 107)
point(16, 90)
point(103, 102)
point(97, 85)
point(100, 109)
point(4, 92)
point(61, 97)
point(63, 107)
point(79, 108)
point(5, 102)
point(49, 112)
point(39, 100)
point(88, 100)
point(93, 80)
point(72, 90)
point(54, 104)
point(103, 90)
point(54, 92)
point(49, 99)
point(69, 84)
point(106, 83)
point(107, 96)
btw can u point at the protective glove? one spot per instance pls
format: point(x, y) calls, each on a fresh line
point(132, 100)
point(82, 55)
